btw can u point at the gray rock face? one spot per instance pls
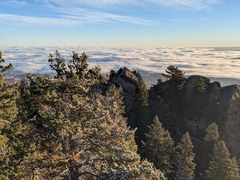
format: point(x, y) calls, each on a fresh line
point(200, 103)
point(130, 82)
point(127, 79)
point(192, 80)
point(230, 101)
point(215, 104)
point(221, 105)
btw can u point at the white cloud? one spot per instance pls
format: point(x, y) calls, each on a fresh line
point(211, 62)
point(192, 4)
point(96, 17)
point(74, 17)
point(70, 16)
point(13, 2)
point(37, 20)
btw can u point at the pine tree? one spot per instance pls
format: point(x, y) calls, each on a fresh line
point(211, 137)
point(199, 85)
point(221, 166)
point(158, 146)
point(235, 167)
point(142, 93)
point(175, 77)
point(75, 69)
point(212, 134)
point(8, 114)
point(8, 95)
point(78, 134)
point(184, 160)
point(115, 103)
point(75, 132)
point(174, 94)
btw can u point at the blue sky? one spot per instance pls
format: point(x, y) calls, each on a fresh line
point(120, 23)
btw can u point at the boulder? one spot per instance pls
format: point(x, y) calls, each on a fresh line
point(130, 82)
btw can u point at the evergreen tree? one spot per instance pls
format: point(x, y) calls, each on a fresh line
point(184, 160)
point(175, 77)
point(221, 166)
point(81, 138)
point(196, 99)
point(174, 94)
point(142, 93)
point(211, 137)
point(115, 101)
point(236, 171)
point(212, 134)
point(146, 170)
point(199, 85)
point(66, 130)
point(158, 146)
point(8, 114)
point(76, 68)
point(77, 133)
point(8, 95)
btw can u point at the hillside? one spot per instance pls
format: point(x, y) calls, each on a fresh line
point(81, 124)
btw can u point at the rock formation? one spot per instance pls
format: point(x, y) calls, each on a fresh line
point(201, 103)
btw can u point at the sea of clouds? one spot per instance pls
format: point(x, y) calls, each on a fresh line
point(219, 64)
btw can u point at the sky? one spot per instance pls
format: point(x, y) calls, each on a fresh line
point(120, 23)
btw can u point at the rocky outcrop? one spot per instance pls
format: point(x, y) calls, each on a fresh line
point(201, 103)
point(230, 104)
point(130, 82)
point(200, 108)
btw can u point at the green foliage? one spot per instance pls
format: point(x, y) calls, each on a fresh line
point(143, 93)
point(115, 103)
point(184, 160)
point(221, 166)
point(174, 95)
point(77, 68)
point(78, 135)
point(8, 115)
point(159, 146)
point(235, 169)
point(212, 134)
point(146, 170)
point(199, 85)
point(175, 77)
point(211, 137)
point(75, 132)
point(3, 68)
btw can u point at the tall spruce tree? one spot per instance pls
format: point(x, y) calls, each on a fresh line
point(221, 166)
point(211, 137)
point(158, 146)
point(184, 160)
point(142, 93)
point(212, 134)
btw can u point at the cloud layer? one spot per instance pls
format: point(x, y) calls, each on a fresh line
point(94, 11)
point(218, 63)
point(193, 4)
point(66, 15)
point(75, 17)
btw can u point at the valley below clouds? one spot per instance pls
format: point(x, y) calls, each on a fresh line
point(218, 64)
